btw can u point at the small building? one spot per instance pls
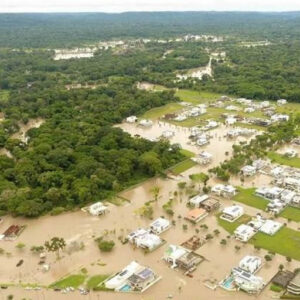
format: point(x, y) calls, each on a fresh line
point(248, 170)
point(144, 239)
point(168, 134)
point(265, 104)
point(160, 225)
point(230, 120)
point(196, 215)
point(146, 123)
point(232, 108)
point(244, 233)
point(197, 200)
point(226, 191)
point(249, 110)
point(283, 278)
point(280, 118)
point(232, 213)
point(210, 204)
point(182, 258)
point(270, 227)
point(281, 102)
point(290, 153)
point(251, 264)
point(131, 119)
point(294, 285)
point(202, 140)
point(205, 158)
point(12, 232)
point(97, 209)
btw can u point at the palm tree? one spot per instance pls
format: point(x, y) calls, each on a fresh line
point(55, 245)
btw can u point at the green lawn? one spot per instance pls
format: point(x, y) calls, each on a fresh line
point(196, 97)
point(283, 160)
point(182, 166)
point(94, 281)
point(291, 213)
point(248, 197)
point(187, 153)
point(285, 242)
point(71, 281)
point(230, 227)
point(157, 112)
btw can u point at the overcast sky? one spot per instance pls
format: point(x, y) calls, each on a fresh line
point(145, 5)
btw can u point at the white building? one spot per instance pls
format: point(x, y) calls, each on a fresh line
point(97, 209)
point(230, 120)
point(281, 102)
point(168, 134)
point(251, 264)
point(248, 170)
point(232, 213)
point(224, 190)
point(197, 200)
point(270, 227)
point(146, 123)
point(280, 118)
point(290, 153)
point(160, 225)
point(244, 233)
point(249, 110)
point(203, 158)
point(131, 119)
point(232, 108)
point(265, 104)
point(202, 140)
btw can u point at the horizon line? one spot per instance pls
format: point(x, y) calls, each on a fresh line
point(149, 11)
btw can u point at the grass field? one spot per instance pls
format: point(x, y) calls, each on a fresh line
point(182, 166)
point(285, 242)
point(71, 281)
point(282, 160)
point(231, 227)
point(196, 97)
point(291, 213)
point(187, 153)
point(158, 112)
point(248, 197)
point(94, 281)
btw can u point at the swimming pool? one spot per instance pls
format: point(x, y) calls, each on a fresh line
point(125, 288)
point(228, 283)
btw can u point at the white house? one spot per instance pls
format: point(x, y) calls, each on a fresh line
point(232, 108)
point(250, 264)
point(168, 134)
point(248, 170)
point(290, 153)
point(280, 118)
point(197, 200)
point(131, 119)
point(232, 213)
point(160, 225)
point(146, 123)
point(265, 104)
point(202, 140)
point(148, 241)
point(203, 158)
point(244, 233)
point(97, 209)
point(230, 120)
point(281, 102)
point(249, 110)
point(224, 190)
point(270, 227)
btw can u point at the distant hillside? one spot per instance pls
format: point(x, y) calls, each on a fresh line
point(60, 30)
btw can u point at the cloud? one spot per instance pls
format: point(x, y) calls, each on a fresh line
point(145, 5)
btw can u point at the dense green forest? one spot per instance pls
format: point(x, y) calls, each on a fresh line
point(61, 30)
point(77, 156)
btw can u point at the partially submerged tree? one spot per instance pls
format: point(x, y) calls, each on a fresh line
point(56, 244)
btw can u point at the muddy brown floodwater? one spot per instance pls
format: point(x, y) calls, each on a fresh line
point(81, 227)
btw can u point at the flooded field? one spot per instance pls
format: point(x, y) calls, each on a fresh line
point(79, 226)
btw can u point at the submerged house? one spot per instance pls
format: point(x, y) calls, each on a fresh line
point(294, 285)
point(196, 215)
point(159, 225)
point(182, 258)
point(133, 278)
point(97, 209)
point(244, 233)
point(224, 190)
point(232, 213)
point(251, 264)
point(248, 170)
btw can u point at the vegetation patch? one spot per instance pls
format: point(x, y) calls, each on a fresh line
point(231, 226)
point(182, 166)
point(94, 281)
point(248, 197)
point(291, 213)
point(71, 281)
point(284, 160)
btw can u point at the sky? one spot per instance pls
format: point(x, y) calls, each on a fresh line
point(146, 5)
